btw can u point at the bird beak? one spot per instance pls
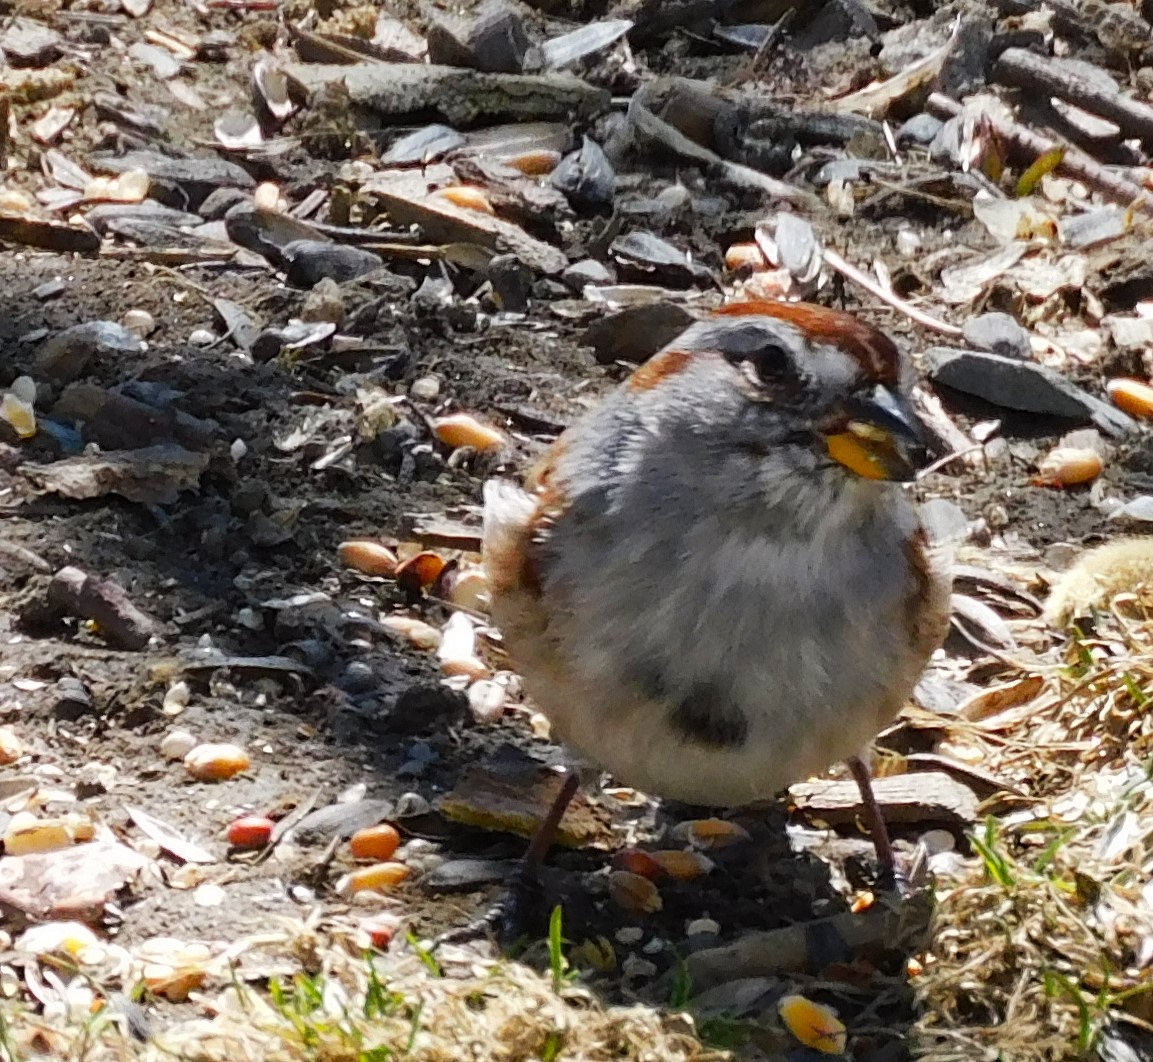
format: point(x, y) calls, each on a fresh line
point(883, 438)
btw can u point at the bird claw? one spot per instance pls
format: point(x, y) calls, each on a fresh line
point(509, 917)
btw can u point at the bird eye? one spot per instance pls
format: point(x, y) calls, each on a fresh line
point(768, 361)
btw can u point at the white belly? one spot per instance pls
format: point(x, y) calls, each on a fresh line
point(807, 643)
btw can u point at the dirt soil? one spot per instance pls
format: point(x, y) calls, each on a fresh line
point(247, 566)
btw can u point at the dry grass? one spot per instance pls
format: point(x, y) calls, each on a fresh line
point(349, 1008)
point(1044, 943)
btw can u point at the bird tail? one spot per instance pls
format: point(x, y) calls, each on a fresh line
point(508, 517)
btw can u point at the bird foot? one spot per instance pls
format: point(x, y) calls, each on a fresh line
point(510, 917)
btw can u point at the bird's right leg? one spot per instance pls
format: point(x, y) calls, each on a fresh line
point(509, 917)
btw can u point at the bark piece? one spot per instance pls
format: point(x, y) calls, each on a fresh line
point(104, 602)
point(458, 96)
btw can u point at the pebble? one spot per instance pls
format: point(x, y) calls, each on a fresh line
point(426, 388)
point(177, 744)
point(587, 271)
point(635, 966)
point(202, 337)
point(140, 321)
point(999, 333)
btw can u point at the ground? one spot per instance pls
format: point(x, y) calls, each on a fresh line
point(261, 955)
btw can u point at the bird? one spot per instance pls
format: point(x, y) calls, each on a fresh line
point(713, 584)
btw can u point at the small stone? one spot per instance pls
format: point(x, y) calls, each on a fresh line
point(999, 333)
point(50, 289)
point(176, 698)
point(587, 271)
point(425, 388)
point(202, 337)
point(511, 282)
point(324, 303)
point(140, 321)
point(177, 744)
point(1014, 384)
point(921, 129)
point(250, 619)
point(908, 243)
point(636, 967)
point(586, 177)
point(1130, 333)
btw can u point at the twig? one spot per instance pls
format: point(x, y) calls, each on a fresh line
point(851, 272)
point(941, 462)
point(1021, 69)
point(1075, 163)
point(760, 57)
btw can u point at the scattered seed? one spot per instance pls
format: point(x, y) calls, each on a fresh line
point(381, 929)
point(367, 557)
point(862, 902)
point(468, 196)
point(636, 861)
point(11, 747)
point(1069, 466)
point(486, 700)
point(420, 634)
point(711, 833)
point(468, 588)
point(773, 284)
point(378, 877)
point(421, 570)
point(1135, 397)
point(470, 667)
point(537, 163)
point(740, 255)
point(375, 843)
point(250, 831)
point(813, 1024)
point(28, 835)
point(635, 893)
point(19, 414)
point(457, 638)
point(683, 866)
point(463, 429)
point(177, 744)
point(216, 762)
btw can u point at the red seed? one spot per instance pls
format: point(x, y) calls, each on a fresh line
point(250, 831)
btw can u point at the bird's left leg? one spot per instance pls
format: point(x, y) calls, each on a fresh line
point(509, 915)
point(881, 842)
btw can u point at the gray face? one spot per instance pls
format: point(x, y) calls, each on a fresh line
point(794, 389)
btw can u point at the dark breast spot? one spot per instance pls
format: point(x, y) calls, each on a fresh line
point(708, 717)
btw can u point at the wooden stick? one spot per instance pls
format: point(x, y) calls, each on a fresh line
point(1021, 69)
point(810, 946)
point(851, 272)
point(1075, 164)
